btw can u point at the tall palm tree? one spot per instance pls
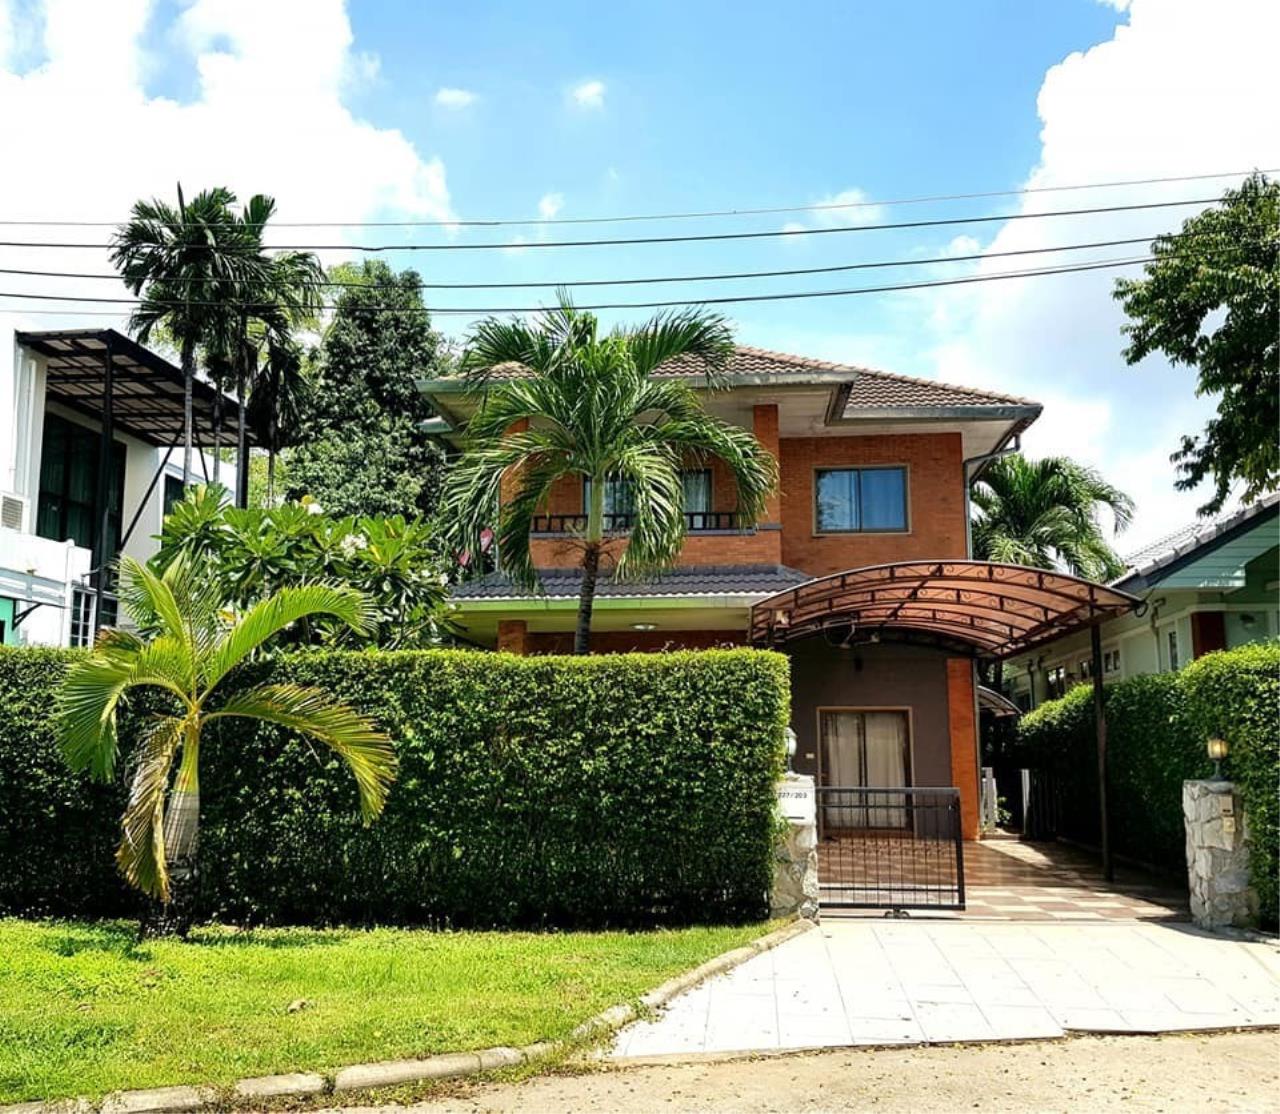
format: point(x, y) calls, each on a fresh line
point(186, 264)
point(569, 401)
point(190, 649)
point(1046, 513)
point(282, 391)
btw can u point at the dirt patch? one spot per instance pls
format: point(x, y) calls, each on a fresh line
point(1238, 1072)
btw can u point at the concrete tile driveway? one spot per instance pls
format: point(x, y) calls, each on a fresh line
point(862, 981)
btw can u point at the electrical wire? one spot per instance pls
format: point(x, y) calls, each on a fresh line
point(493, 222)
point(701, 237)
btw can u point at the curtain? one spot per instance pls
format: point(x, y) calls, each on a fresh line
point(697, 496)
point(841, 765)
point(867, 749)
point(883, 499)
point(885, 743)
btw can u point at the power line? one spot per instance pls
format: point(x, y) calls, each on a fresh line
point(697, 238)
point(572, 283)
point(494, 222)
point(479, 311)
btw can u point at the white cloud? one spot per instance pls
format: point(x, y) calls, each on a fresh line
point(1119, 5)
point(1182, 88)
point(848, 207)
point(85, 105)
point(589, 94)
point(454, 98)
point(549, 204)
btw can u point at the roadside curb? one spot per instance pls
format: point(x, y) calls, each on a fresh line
point(389, 1073)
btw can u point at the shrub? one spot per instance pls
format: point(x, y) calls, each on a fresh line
point(58, 830)
point(629, 789)
point(1152, 748)
point(1235, 694)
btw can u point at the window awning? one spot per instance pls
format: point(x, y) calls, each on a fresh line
point(146, 389)
point(992, 609)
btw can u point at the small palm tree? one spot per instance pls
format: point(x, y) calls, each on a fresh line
point(187, 264)
point(190, 648)
point(1045, 513)
point(568, 401)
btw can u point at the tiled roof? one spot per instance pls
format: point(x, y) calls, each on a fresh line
point(1163, 551)
point(687, 580)
point(867, 387)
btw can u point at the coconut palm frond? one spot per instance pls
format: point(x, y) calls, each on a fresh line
point(141, 854)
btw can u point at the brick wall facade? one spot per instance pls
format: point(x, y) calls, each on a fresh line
point(963, 733)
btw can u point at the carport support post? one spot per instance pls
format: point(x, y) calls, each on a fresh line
point(1100, 730)
point(106, 477)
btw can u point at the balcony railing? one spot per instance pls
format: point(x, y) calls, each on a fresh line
point(695, 522)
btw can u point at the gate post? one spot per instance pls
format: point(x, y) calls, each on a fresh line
point(795, 859)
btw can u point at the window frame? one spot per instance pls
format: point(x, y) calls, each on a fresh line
point(119, 453)
point(819, 469)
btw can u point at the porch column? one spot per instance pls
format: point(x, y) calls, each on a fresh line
point(962, 728)
point(764, 425)
point(106, 475)
point(513, 636)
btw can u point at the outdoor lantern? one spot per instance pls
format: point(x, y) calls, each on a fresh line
point(790, 736)
point(1218, 751)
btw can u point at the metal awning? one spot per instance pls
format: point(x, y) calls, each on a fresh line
point(981, 607)
point(146, 389)
point(996, 703)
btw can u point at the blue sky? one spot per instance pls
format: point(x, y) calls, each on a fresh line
point(386, 109)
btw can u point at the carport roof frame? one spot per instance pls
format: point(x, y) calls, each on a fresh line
point(993, 609)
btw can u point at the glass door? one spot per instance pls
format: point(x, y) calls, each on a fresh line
point(865, 750)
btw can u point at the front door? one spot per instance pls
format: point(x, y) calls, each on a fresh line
point(869, 750)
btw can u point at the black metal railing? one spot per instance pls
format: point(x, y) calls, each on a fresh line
point(890, 848)
point(694, 522)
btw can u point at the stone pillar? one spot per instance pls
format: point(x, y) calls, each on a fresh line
point(795, 865)
point(1218, 856)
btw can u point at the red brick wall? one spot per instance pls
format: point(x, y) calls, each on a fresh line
point(964, 742)
point(513, 636)
point(935, 494)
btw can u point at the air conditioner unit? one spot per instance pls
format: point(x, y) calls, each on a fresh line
point(13, 511)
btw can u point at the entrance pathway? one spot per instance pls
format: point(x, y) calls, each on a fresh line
point(861, 981)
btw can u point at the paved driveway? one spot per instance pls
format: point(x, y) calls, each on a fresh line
point(862, 981)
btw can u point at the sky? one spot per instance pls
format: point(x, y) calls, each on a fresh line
point(403, 110)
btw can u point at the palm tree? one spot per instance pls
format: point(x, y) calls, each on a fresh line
point(1046, 513)
point(187, 264)
point(567, 401)
point(190, 649)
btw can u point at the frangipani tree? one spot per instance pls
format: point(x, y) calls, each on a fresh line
point(187, 651)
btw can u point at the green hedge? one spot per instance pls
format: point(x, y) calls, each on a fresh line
point(1235, 694)
point(628, 789)
point(1152, 747)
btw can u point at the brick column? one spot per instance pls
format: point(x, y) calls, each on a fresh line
point(765, 427)
point(962, 728)
point(513, 636)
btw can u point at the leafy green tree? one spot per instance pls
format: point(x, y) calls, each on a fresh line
point(187, 653)
point(361, 449)
point(1211, 300)
point(1046, 513)
point(573, 402)
point(396, 564)
point(187, 265)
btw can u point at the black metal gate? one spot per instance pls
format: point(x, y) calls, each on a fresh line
point(890, 848)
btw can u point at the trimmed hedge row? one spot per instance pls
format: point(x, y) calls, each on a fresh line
point(619, 790)
point(1152, 748)
point(1235, 694)
point(1157, 727)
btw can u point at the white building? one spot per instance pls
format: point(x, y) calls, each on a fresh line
point(1209, 586)
point(68, 503)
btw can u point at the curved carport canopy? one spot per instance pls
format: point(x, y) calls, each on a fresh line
point(985, 608)
point(991, 609)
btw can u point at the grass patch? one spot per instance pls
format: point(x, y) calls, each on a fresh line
point(86, 1009)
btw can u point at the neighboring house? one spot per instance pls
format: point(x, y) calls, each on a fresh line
point(90, 460)
point(875, 469)
point(1209, 586)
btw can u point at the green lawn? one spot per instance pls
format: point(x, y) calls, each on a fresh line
point(86, 1009)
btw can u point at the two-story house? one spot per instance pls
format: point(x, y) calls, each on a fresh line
point(874, 473)
point(91, 427)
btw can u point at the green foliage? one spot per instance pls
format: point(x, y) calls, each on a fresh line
point(188, 647)
point(1152, 748)
point(360, 449)
point(1045, 513)
point(58, 829)
point(1210, 300)
point(253, 552)
point(618, 790)
point(1235, 695)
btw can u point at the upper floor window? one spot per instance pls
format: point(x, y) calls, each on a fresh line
point(1174, 660)
point(68, 502)
point(174, 492)
point(618, 500)
point(860, 500)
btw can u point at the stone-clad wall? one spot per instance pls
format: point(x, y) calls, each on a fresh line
point(1218, 856)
